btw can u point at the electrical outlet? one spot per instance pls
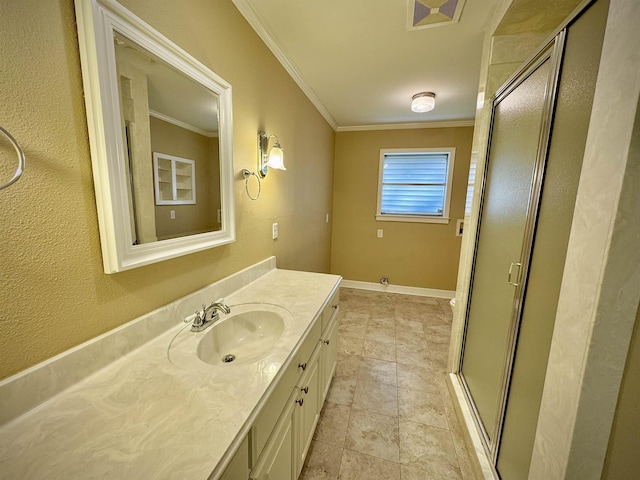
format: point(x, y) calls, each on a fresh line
point(380, 233)
point(459, 227)
point(274, 231)
point(173, 214)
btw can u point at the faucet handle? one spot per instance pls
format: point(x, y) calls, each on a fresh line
point(200, 317)
point(191, 318)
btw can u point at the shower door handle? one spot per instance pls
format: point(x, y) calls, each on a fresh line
point(510, 277)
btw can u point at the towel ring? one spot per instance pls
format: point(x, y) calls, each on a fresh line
point(246, 174)
point(21, 160)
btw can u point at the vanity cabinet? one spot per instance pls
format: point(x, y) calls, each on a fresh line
point(288, 386)
point(277, 458)
point(281, 435)
point(239, 465)
point(283, 453)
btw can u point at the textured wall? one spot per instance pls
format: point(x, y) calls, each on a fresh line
point(410, 254)
point(177, 141)
point(622, 460)
point(53, 292)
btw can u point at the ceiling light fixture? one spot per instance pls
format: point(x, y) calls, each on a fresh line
point(423, 102)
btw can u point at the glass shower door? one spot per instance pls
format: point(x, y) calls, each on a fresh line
point(513, 177)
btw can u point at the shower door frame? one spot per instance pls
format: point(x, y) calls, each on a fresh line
point(552, 52)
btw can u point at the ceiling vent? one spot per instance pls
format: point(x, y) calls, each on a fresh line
point(433, 13)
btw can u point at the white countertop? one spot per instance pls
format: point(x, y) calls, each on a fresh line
point(141, 417)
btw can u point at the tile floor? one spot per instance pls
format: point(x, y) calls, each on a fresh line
point(388, 414)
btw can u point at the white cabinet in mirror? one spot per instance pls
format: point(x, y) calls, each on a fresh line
point(145, 95)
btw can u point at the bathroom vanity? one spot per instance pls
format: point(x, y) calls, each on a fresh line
point(121, 406)
point(278, 441)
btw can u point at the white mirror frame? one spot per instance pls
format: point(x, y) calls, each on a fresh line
point(97, 20)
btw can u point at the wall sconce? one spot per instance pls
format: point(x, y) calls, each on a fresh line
point(423, 102)
point(269, 157)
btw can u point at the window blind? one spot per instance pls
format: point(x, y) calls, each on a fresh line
point(414, 183)
point(470, 184)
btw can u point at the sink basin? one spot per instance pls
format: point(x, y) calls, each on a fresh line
point(247, 335)
point(241, 337)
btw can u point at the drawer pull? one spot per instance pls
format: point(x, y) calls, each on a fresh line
point(305, 389)
point(303, 366)
point(300, 401)
point(327, 342)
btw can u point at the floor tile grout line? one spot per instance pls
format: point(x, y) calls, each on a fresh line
point(398, 395)
point(359, 382)
point(373, 456)
point(355, 386)
point(455, 449)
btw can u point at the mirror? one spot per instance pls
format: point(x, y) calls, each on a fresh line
point(169, 125)
point(160, 130)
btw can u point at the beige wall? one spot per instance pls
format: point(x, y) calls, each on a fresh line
point(53, 292)
point(522, 30)
point(622, 461)
point(189, 219)
point(410, 254)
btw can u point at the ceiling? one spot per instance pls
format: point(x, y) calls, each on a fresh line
point(195, 107)
point(360, 61)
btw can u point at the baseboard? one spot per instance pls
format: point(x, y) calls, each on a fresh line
point(378, 287)
point(480, 463)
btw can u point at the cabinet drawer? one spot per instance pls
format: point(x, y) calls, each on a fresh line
point(330, 309)
point(329, 352)
point(302, 356)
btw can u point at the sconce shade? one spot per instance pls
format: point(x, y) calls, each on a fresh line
point(423, 102)
point(276, 158)
point(269, 157)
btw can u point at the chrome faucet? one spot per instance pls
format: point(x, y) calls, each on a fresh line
point(201, 322)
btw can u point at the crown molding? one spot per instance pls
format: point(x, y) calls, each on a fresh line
point(247, 11)
point(180, 123)
point(406, 126)
point(250, 16)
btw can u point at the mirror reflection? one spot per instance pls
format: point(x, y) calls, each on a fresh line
point(169, 126)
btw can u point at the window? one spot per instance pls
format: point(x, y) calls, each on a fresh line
point(415, 185)
point(470, 185)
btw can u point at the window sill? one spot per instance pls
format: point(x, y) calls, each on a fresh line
point(411, 219)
